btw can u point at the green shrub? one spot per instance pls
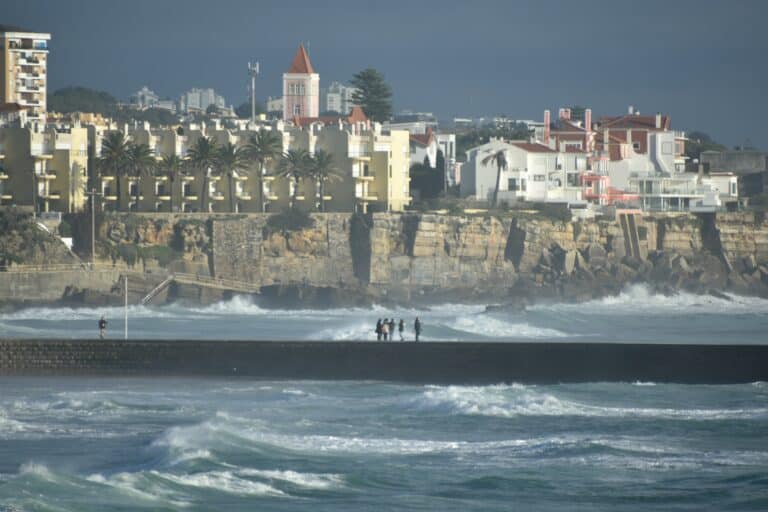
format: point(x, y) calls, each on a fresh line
point(290, 219)
point(65, 229)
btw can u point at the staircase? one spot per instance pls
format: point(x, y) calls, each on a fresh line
point(216, 283)
point(631, 237)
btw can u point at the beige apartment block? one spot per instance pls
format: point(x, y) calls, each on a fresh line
point(45, 168)
point(23, 61)
point(372, 166)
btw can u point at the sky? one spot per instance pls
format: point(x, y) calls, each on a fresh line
point(700, 61)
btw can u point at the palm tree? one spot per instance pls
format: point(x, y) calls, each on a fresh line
point(263, 147)
point(204, 157)
point(500, 159)
point(322, 168)
point(294, 164)
point(231, 160)
point(114, 157)
point(141, 161)
point(171, 166)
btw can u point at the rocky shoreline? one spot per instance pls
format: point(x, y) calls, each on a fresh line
point(408, 259)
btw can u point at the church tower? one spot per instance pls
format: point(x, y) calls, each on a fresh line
point(301, 88)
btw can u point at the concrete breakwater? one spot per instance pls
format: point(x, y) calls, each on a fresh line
point(431, 362)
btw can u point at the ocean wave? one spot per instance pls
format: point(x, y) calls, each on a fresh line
point(491, 327)
point(513, 401)
point(637, 298)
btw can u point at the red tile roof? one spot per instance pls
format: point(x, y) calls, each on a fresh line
point(533, 147)
point(564, 125)
point(301, 63)
point(355, 116)
point(424, 139)
point(634, 121)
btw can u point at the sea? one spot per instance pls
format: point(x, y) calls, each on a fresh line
point(239, 444)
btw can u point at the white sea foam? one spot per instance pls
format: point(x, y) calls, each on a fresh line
point(223, 481)
point(639, 298)
point(306, 480)
point(489, 326)
point(512, 401)
point(641, 383)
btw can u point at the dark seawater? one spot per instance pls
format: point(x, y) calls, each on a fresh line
point(77, 444)
point(80, 444)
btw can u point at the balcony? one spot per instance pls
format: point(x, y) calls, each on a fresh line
point(45, 175)
point(245, 196)
point(6, 197)
point(3, 176)
point(164, 197)
point(369, 197)
point(51, 195)
point(217, 196)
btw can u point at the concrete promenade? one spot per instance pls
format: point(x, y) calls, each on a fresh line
point(426, 362)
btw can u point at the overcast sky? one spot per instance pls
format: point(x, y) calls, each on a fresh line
point(701, 61)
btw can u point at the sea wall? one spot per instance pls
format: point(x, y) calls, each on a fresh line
point(449, 363)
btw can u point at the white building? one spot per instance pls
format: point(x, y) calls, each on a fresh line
point(534, 172)
point(275, 105)
point(338, 98)
point(144, 98)
point(200, 100)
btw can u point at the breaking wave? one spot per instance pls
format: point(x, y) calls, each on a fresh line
point(517, 400)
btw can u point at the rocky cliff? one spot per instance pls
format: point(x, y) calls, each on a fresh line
point(412, 257)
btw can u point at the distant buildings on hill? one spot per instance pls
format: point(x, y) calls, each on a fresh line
point(194, 100)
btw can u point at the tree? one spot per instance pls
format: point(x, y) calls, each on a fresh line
point(204, 157)
point(141, 161)
point(231, 160)
point(373, 94)
point(698, 142)
point(322, 168)
point(499, 158)
point(171, 166)
point(263, 147)
point(81, 99)
point(243, 110)
point(294, 165)
point(212, 109)
point(114, 158)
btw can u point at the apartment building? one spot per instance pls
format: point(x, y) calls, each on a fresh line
point(44, 168)
point(23, 61)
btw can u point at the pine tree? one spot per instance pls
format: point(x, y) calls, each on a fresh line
point(373, 94)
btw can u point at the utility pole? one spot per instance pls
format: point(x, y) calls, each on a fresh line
point(253, 70)
point(126, 306)
point(93, 195)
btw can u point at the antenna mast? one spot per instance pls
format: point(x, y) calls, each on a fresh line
point(253, 71)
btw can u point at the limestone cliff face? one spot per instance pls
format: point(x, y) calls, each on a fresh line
point(409, 256)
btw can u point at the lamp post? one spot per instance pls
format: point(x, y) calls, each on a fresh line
point(93, 194)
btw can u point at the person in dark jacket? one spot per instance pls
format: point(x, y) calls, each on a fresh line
point(378, 330)
point(392, 329)
point(102, 327)
point(417, 328)
point(401, 328)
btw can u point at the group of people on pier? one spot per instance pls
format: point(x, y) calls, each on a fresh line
point(385, 329)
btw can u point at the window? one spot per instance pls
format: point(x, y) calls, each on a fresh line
point(187, 190)
point(538, 177)
point(572, 179)
point(733, 189)
point(133, 188)
point(297, 110)
point(522, 185)
point(636, 146)
point(512, 184)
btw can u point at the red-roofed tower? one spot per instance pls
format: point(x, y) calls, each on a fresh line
point(301, 88)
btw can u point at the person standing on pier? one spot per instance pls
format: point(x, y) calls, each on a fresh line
point(401, 328)
point(385, 329)
point(102, 327)
point(392, 329)
point(417, 328)
point(378, 330)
